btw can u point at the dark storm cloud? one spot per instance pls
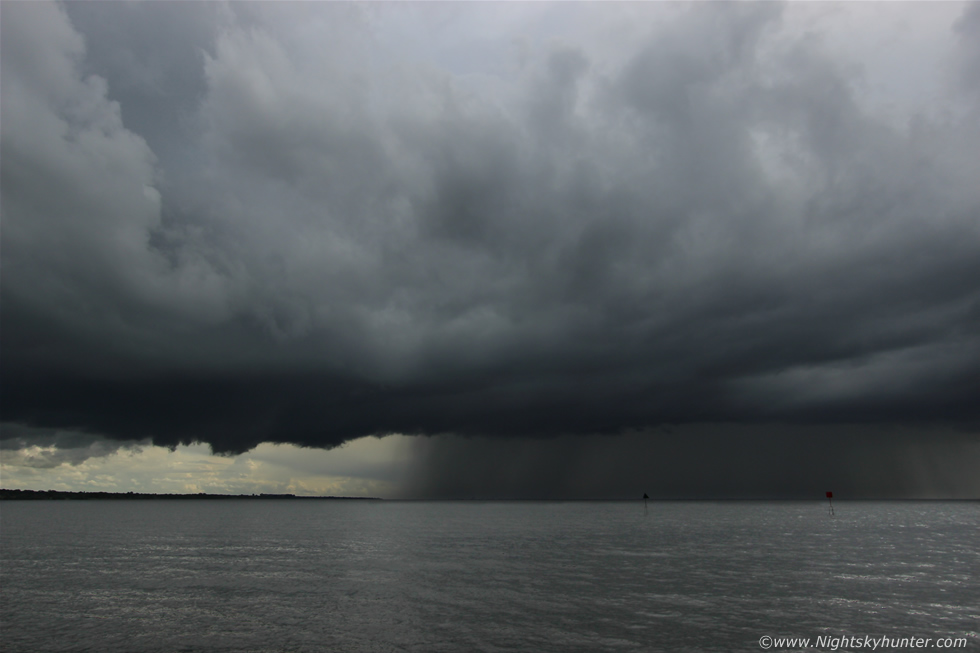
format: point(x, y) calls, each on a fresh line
point(47, 448)
point(276, 223)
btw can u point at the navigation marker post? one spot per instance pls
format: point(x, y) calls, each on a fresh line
point(830, 497)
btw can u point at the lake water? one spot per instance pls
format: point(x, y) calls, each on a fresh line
point(271, 575)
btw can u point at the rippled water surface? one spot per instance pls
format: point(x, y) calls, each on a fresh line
point(268, 575)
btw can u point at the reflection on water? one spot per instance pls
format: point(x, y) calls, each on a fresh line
point(394, 576)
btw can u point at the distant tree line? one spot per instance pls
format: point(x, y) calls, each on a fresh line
point(36, 495)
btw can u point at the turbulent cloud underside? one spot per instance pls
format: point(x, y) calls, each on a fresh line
point(308, 223)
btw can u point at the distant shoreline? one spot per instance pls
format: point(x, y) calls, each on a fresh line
point(56, 495)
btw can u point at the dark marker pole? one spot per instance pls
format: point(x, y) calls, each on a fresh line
point(830, 497)
point(645, 497)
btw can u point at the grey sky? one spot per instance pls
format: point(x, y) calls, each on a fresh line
point(311, 222)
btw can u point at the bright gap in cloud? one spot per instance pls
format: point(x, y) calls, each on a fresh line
point(365, 467)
